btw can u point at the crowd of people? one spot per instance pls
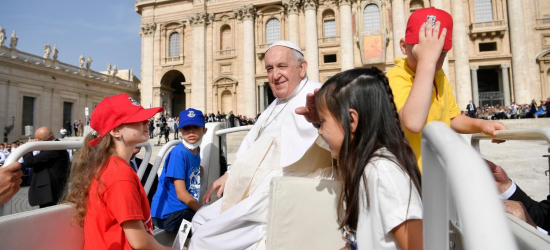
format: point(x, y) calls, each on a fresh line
point(513, 111)
point(369, 121)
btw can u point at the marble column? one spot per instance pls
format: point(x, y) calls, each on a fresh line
point(346, 35)
point(518, 41)
point(262, 97)
point(460, 47)
point(312, 42)
point(439, 4)
point(293, 9)
point(399, 26)
point(198, 82)
point(505, 83)
point(475, 89)
point(147, 63)
point(246, 15)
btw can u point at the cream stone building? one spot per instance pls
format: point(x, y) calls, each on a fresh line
point(208, 54)
point(42, 91)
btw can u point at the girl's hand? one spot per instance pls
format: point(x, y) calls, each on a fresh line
point(429, 45)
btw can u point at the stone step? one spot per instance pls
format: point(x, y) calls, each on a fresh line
point(527, 123)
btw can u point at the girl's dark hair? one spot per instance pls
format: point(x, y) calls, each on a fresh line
point(367, 91)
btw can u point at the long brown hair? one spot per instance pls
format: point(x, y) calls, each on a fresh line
point(88, 166)
point(369, 93)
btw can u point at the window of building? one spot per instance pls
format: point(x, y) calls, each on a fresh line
point(329, 24)
point(484, 47)
point(371, 17)
point(174, 44)
point(28, 112)
point(329, 58)
point(225, 43)
point(483, 10)
point(272, 31)
point(67, 112)
point(415, 5)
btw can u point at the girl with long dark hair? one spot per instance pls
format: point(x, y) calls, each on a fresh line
point(380, 203)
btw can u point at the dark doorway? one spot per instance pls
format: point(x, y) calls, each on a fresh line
point(270, 96)
point(489, 87)
point(174, 80)
point(67, 112)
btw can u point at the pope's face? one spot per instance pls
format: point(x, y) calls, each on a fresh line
point(283, 71)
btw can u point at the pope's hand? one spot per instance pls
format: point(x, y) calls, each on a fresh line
point(10, 179)
point(219, 185)
point(310, 110)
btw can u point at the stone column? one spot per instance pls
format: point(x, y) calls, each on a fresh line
point(399, 26)
point(505, 83)
point(460, 47)
point(475, 89)
point(147, 64)
point(518, 44)
point(246, 15)
point(346, 35)
point(198, 83)
point(293, 9)
point(312, 43)
point(439, 4)
point(262, 97)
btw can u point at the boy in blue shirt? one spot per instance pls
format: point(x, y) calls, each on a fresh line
point(177, 194)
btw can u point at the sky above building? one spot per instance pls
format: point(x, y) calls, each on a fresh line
point(106, 30)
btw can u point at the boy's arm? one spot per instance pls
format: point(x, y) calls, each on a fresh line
point(466, 125)
point(414, 113)
point(138, 238)
point(184, 196)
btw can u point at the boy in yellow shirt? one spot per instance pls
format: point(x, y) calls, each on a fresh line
point(421, 91)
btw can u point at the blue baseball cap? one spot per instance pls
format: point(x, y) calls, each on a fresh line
point(191, 117)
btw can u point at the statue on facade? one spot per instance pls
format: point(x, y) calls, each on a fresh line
point(47, 50)
point(13, 40)
point(115, 70)
point(81, 60)
point(131, 78)
point(55, 52)
point(109, 68)
point(2, 36)
point(89, 62)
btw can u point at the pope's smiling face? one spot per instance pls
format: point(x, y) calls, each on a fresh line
point(284, 71)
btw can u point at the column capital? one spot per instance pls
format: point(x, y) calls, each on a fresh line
point(148, 28)
point(198, 19)
point(475, 67)
point(209, 19)
point(310, 4)
point(246, 12)
point(292, 6)
point(504, 66)
point(344, 2)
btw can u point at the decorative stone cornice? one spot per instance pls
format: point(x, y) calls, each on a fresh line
point(198, 19)
point(148, 28)
point(292, 6)
point(310, 4)
point(209, 19)
point(246, 12)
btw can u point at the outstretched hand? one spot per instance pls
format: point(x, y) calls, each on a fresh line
point(219, 185)
point(501, 178)
point(491, 128)
point(10, 179)
point(310, 110)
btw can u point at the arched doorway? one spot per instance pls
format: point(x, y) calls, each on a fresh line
point(172, 82)
point(227, 101)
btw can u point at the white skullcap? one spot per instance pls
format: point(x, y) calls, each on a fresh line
point(287, 44)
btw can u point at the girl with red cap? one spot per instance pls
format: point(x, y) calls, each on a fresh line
point(110, 202)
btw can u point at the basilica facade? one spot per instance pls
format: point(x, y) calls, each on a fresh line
point(209, 54)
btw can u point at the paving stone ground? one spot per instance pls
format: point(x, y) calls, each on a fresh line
point(522, 160)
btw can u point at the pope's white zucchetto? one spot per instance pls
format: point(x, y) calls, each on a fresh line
point(287, 44)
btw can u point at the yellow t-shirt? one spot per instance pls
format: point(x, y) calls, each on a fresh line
point(443, 108)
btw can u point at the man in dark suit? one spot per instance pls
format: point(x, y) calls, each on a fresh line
point(518, 203)
point(50, 171)
point(231, 119)
point(471, 109)
point(135, 163)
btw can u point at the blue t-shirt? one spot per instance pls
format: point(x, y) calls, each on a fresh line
point(180, 164)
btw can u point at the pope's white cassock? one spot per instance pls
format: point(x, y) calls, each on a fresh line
point(274, 147)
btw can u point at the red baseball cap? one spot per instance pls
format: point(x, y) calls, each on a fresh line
point(421, 16)
point(113, 111)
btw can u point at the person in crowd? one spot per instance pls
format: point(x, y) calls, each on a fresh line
point(135, 163)
point(10, 181)
point(176, 126)
point(518, 203)
point(110, 202)
point(80, 126)
point(2, 155)
point(276, 143)
point(68, 126)
point(360, 123)
point(75, 127)
point(50, 169)
point(547, 105)
point(177, 196)
point(151, 129)
point(231, 119)
point(471, 108)
point(63, 132)
point(166, 132)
